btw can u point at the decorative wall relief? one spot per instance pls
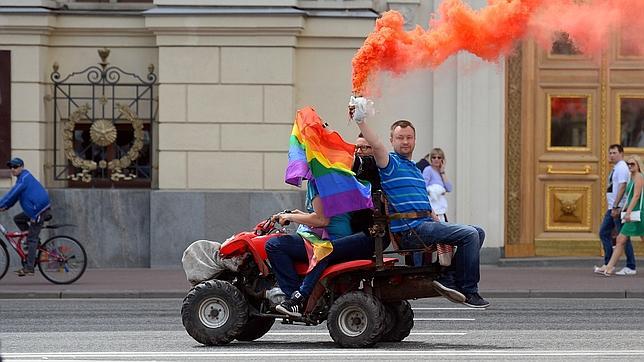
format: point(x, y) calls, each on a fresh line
point(104, 115)
point(568, 208)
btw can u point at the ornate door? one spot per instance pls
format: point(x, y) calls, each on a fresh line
point(564, 110)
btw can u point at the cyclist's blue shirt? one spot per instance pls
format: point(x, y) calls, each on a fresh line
point(33, 197)
point(404, 186)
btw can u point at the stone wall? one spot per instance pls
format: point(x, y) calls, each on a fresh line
point(143, 228)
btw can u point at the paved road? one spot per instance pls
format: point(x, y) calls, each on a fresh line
point(140, 329)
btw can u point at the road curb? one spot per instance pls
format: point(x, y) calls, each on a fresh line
point(30, 295)
point(125, 294)
point(180, 294)
point(634, 294)
point(565, 294)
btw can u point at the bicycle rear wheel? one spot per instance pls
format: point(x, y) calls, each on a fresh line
point(62, 259)
point(4, 260)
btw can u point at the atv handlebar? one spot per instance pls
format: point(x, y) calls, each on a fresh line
point(268, 226)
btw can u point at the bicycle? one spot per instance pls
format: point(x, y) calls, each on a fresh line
point(61, 259)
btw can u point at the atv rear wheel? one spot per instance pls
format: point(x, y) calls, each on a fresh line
point(356, 320)
point(255, 328)
point(214, 312)
point(401, 317)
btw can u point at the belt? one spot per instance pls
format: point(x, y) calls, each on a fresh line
point(410, 215)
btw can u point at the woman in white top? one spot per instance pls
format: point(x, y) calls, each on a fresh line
point(437, 183)
point(437, 187)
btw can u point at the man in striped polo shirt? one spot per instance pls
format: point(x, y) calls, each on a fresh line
point(412, 223)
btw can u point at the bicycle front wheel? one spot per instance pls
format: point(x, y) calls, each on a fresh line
point(62, 259)
point(4, 260)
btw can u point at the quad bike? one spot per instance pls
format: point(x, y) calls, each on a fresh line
point(363, 301)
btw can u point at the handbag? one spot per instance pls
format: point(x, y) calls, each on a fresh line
point(635, 215)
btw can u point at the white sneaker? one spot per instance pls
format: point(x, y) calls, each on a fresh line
point(626, 271)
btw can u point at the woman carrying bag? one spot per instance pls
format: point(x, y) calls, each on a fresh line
point(631, 218)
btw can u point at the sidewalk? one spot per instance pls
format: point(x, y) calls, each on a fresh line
point(496, 282)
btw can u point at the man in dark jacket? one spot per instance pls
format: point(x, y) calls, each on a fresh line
point(424, 162)
point(34, 201)
point(364, 165)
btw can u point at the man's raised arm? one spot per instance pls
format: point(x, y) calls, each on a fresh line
point(358, 113)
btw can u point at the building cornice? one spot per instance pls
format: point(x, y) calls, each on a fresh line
point(223, 10)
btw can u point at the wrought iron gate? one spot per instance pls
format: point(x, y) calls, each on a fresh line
point(103, 125)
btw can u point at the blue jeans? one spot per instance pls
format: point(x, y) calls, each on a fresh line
point(284, 251)
point(608, 224)
point(468, 239)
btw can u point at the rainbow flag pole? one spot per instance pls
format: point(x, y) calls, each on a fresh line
point(321, 155)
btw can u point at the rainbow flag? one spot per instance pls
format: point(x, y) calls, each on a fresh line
point(322, 156)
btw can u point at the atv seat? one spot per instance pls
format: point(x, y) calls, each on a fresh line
point(333, 269)
point(382, 217)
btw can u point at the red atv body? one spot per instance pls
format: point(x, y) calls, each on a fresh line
point(363, 301)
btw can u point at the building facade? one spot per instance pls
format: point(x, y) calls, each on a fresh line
point(180, 131)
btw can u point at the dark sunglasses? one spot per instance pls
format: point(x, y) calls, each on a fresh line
point(13, 167)
point(631, 164)
point(437, 158)
point(363, 148)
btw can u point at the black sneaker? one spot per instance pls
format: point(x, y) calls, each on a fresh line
point(448, 291)
point(25, 272)
point(292, 306)
point(474, 300)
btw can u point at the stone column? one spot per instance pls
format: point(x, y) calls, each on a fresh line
point(480, 146)
point(468, 124)
point(25, 32)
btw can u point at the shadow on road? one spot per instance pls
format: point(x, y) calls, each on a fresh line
point(327, 345)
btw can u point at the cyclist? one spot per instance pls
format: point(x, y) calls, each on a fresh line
point(34, 201)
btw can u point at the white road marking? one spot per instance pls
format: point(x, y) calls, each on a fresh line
point(448, 308)
point(444, 319)
point(324, 352)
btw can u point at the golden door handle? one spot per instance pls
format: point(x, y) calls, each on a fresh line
point(551, 171)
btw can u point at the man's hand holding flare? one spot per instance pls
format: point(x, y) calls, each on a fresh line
point(360, 108)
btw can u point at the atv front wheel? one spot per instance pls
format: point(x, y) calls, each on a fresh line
point(214, 312)
point(356, 320)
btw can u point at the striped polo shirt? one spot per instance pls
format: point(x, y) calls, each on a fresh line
point(404, 186)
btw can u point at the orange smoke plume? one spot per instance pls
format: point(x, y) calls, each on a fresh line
point(590, 24)
point(492, 32)
point(487, 33)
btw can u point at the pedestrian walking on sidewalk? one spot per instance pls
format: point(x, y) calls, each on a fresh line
point(615, 199)
point(633, 225)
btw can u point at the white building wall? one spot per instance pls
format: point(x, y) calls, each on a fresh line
point(472, 104)
point(229, 86)
point(458, 107)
